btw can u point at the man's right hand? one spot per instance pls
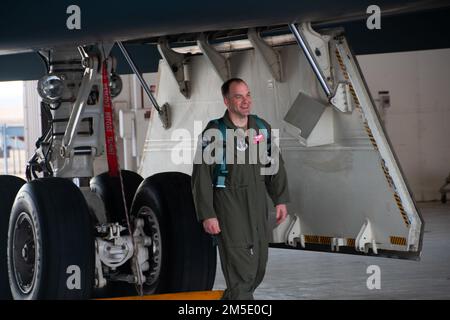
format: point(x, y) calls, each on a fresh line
point(211, 226)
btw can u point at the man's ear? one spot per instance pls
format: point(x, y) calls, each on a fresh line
point(226, 101)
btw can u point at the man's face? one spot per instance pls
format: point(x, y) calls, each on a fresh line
point(239, 100)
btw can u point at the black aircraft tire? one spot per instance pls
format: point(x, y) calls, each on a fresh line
point(50, 242)
point(9, 186)
point(108, 188)
point(188, 255)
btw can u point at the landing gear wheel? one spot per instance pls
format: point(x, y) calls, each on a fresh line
point(108, 188)
point(50, 242)
point(182, 255)
point(9, 186)
point(444, 198)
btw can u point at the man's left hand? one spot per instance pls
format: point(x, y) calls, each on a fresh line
point(281, 213)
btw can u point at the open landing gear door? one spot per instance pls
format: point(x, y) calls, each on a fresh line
point(350, 195)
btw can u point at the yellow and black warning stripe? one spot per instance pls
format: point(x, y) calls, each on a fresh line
point(401, 208)
point(318, 239)
point(388, 176)
point(398, 241)
point(369, 133)
point(351, 242)
point(355, 97)
point(341, 64)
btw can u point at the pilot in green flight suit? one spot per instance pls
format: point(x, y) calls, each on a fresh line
point(231, 200)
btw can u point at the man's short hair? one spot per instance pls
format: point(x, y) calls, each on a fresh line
point(226, 85)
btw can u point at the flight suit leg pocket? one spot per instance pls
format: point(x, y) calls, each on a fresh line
point(243, 263)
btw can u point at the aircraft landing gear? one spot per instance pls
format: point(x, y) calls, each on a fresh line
point(183, 254)
point(50, 242)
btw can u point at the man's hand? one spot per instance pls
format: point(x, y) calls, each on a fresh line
point(211, 226)
point(281, 213)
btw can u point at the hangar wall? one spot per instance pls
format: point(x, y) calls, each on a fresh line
point(417, 121)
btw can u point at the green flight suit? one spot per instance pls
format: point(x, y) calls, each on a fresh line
point(241, 209)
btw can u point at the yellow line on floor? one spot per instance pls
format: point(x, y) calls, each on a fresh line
point(194, 295)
